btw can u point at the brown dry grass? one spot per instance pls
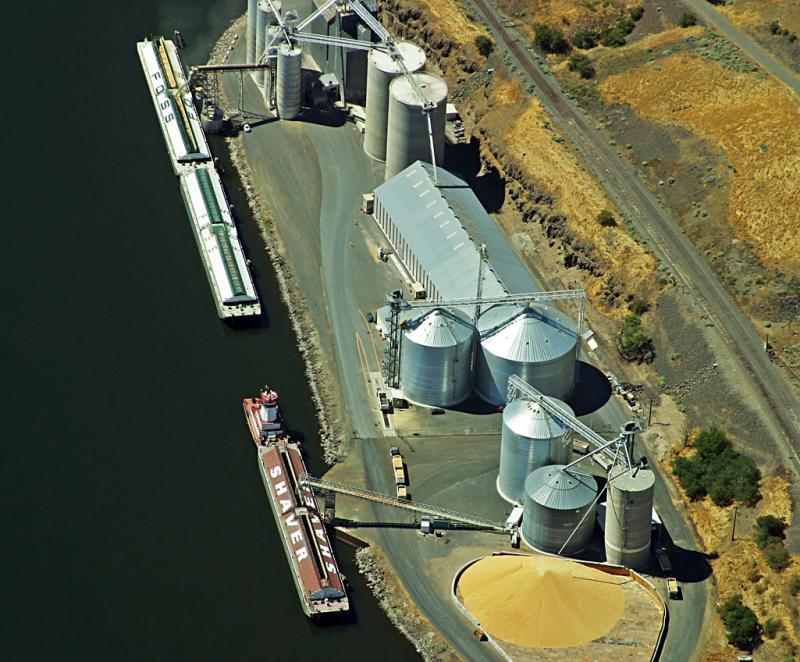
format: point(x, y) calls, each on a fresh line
point(451, 19)
point(754, 13)
point(579, 196)
point(755, 120)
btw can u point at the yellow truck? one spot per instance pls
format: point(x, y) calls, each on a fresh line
point(397, 466)
point(673, 588)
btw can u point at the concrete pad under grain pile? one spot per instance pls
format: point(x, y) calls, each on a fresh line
point(547, 608)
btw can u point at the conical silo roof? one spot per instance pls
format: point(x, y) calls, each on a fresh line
point(527, 419)
point(439, 328)
point(556, 489)
point(535, 334)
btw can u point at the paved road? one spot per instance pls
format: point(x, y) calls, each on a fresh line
point(746, 357)
point(762, 56)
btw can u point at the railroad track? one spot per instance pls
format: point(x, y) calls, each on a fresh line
point(667, 239)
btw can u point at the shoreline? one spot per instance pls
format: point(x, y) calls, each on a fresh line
point(383, 582)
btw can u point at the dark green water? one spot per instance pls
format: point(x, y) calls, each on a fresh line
point(134, 522)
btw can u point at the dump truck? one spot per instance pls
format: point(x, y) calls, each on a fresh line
point(402, 492)
point(673, 588)
point(397, 466)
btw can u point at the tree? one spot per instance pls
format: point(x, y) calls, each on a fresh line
point(741, 624)
point(771, 627)
point(637, 12)
point(639, 306)
point(691, 476)
point(794, 584)
point(634, 344)
point(583, 65)
point(777, 556)
point(769, 529)
point(606, 218)
point(612, 37)
point(484, 44)
point(711, 442)
point(549, 39)
point(687, 20)
point(585, 39)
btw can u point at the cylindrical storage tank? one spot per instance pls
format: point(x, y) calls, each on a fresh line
point(269, 74)
point(382, 69)
point(435, 358)
point(629, 516)
point(558, 503)
point(289, 77)
point(407, 135)
point(530, 438)
point(252, 18)
point(537, 343)
point(262, 21)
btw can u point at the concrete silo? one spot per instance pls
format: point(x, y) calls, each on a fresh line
point(530, 438)
point(252, 19)
point(382, 69)
point(628, 516)
point(435, 358)
point(263, 16)
point(288, 81)
point(558, 502)
point(408, 135)
point(537, 343)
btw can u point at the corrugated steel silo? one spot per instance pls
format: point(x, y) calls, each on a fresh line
point(435, 358)
point(407, 138)
point(556, 501)
point(530, 438)
point(628, 516)
point(381, 71)
point(289, 78)
point(537, 343)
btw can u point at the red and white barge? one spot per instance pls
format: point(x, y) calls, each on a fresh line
point(316, 575)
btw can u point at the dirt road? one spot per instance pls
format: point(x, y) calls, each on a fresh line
point(760, 55)
point(746, 359)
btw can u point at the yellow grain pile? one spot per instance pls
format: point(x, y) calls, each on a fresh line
point(755, 120)
point(541, 602)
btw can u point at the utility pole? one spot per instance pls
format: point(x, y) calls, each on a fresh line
point(650, 413)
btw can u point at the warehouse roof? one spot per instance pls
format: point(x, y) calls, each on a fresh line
point(443, 226)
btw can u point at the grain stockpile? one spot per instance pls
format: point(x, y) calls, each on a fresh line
point(540, 601)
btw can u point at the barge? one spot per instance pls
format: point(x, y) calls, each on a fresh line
point(217, 240)
point(319, 583)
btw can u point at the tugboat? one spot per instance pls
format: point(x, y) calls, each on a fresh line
point(263, 415)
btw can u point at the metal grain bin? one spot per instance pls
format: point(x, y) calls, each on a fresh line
point(537, 343)
point(556, 502)
point(408, 136)
point(435, 358)
point(382, 69)
point(530, 438)
point(629, 516)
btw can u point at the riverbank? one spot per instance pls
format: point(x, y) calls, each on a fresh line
point(371, 562)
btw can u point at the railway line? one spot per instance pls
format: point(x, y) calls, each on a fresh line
point(663, 233)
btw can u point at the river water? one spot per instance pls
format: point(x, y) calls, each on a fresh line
point(134, 521)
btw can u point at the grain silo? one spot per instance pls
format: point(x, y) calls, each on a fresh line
point(435, 358)
point(263, 16)
point(558, 502)
point(268, 88)
point(530, 438)
point(252, 18)
point(289, 78)
point(382, 69)
point(537, 343)
point(408, 132)
point(628, 516)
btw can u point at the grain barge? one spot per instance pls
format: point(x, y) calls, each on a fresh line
point(217, 240)
point(320, 586)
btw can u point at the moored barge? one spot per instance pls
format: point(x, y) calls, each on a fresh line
point(320, 585)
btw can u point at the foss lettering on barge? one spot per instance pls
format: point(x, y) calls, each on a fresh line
point(320, 585)
point(209, 211)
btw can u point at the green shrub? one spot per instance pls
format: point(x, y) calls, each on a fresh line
point(717, 2)
point(687, 20)
point(639, 306)
point(582, 64)
point(484, 45)
point(691, 476)
point(771, 627)
point(584, 38)
point(711, 442)
point(777, 556)
point(550, 39)
point(769, 529)
point(634, 344)
point(636, 12)
point(774, 27)
point(606, 218)
point(794, 584)
point(741, 624)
